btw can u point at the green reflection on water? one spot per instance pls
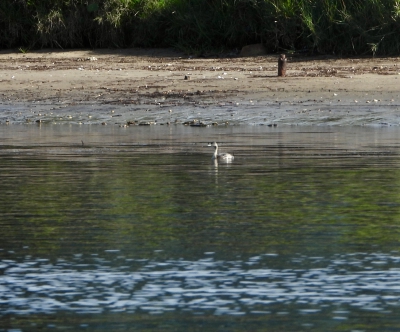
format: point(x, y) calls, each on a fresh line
point(184, 205)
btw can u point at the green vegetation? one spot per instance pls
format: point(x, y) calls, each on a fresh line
point(324, 26)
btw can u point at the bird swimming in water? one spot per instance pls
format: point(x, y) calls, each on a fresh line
point(222, 156)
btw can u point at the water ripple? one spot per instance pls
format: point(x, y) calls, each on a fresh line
point(222, 287)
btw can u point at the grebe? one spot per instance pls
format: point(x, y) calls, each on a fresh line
point(221, 157)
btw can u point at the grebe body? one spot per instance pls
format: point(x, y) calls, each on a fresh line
point(227, 157)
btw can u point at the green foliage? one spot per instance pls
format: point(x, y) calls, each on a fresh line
point(324, 26)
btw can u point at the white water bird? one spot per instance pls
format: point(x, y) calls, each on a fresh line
point(222, 156)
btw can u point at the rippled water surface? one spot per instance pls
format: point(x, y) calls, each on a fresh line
point(135, 229)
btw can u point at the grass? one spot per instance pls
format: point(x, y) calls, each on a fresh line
point(345, 27)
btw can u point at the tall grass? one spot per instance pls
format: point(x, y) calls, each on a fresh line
point(324, 26)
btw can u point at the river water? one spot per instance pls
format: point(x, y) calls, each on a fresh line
point(135, 229)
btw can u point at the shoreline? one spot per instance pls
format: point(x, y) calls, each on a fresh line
point(149, 86)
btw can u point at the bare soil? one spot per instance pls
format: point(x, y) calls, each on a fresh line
point(356, 90)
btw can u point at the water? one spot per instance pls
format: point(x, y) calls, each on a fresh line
point(136, 229)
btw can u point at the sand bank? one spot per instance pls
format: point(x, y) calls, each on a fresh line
point(161, 86)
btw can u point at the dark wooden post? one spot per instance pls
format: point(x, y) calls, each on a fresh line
point(282, 65)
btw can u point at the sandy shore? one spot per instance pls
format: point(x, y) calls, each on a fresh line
point(150, 85)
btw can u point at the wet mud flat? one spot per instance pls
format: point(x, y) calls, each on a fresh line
point(161, 87)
